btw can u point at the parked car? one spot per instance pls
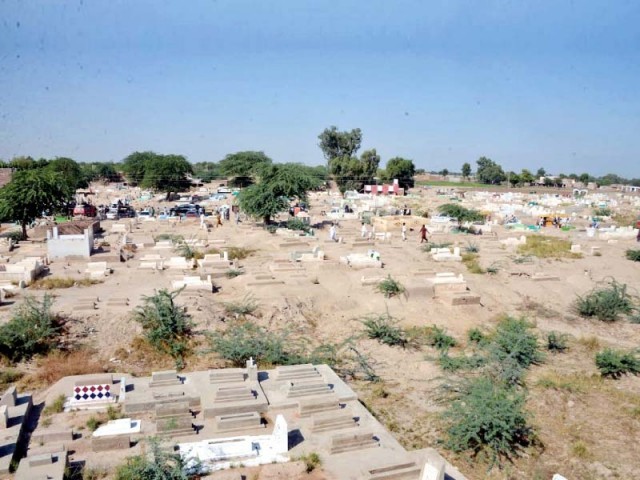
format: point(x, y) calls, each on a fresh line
point(112, 214)
point(85, 210)
point(224, 190)
point(146, 213)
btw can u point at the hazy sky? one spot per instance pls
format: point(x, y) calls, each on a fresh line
point(528, 83)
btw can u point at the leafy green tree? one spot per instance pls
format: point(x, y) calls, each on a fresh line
point(207, 171)
point(585, 178)
point(541, 172)
point(466, 170)
point(549, 182)
point(402, 169)
point(351, 173)
point(444, 172)
point(105, 171)
point(514, 178)
point(26, 163)
point(70, 170)
point(526, 176)
point(244, 167)
point(30, 193)
point(278, 184)
point(337, 144)
point(167, 173)
point(489, 172)
point(135, 165)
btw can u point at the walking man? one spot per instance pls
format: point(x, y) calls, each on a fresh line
point(332, 233)
point(423, 234)
point(363, 231)
point(404, 232)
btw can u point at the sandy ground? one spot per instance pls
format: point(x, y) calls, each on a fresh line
point(327, 303)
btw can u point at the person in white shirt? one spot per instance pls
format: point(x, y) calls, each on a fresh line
point(404, 231)
point(332, 233)
point(363, 231)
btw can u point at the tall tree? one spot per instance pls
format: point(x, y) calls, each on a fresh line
point(70, 170)
point(402, 169)
point(32, 192)
point(135, 165)
point(541, 172)
point(352, 173)
point(244, 167)
point(466, 170)
point(335, 143)
point(526, 176)
point(489, 171)
point(278, 184)
point(167, 173)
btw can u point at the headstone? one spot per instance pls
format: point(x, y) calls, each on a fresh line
point(9, 397)
point(252, 370)
point(4, 416)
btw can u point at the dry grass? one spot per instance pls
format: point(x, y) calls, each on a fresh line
point(235, 253)
point(472, 262)
point(52, 283)
point(590, 343)
point(542, 246)
point(571, 383)
point(57, 365)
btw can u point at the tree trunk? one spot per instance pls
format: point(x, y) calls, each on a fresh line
point(24, 230)
point(267, 219)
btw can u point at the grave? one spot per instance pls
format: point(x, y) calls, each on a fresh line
point(97, 270)
point(349, 442)
point(14, 413)
point(398, 471)
point(238, 421)
point(179, 263)
point(446, 255)
point(361, 260)
point(306, 389)
point(193, 283)
point(93, 392)
point(333, 421)
point(45, 466)
point(165, 378)
point(297, 372)
point(311, 406)
point(227, 375)
point(174, 419)
point(60, 246)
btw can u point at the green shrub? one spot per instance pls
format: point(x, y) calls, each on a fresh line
point(615, 363)
point(476, 336)
point(158, 465)
point(9, 376)
point(188, 251)
point(602, 212)
point(514, 340)
point(297, 224)
point(384, 328)
point(557, 341)
point(633, 255)
point(311, 461)
point(57, 406)
point(488, 417)
point(390, 287)
point(429, 246)
point(453, 364)
point(605, 304)
point(240, 342)
point(243, 307)
point(437, 337)
point(542, 246)
point(472, 247)
point(167, 327)
point(32, 329)
point(233, 273)
point(93, 423)
point(472, 262)
point(169, 236)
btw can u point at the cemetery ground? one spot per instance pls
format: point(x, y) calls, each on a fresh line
point(585, 426)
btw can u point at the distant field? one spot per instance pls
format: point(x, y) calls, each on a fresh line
point(440, 183)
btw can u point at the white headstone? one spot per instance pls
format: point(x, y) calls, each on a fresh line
point(280, 435)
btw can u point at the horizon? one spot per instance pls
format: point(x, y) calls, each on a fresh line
point(548, 85)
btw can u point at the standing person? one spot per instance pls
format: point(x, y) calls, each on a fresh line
point(638, 237)
point(363, 231)
point(218, 220)
point(202, 226)
point(404, 232)
point(423, 234)
point(332, 233)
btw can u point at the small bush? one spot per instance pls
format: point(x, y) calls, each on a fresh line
point(167, 327)
point(241, 308)
point(311, 461)
point(188, 251)
point(472, 262)
point(557, 342)
point(157, 465)
point(513, 339)
point(9, 376)
point(33, 329)
point(633, 255)
point(57, 365)
point(297, 224)
point(57, 406)
point(93, 423)
point(615, 363)
point(175, 239)
point(476, 336)
point(438, 338)
point(429, 246)
point(472, 248)
point(390, 287)
point(240, 342)
point(384, 328)
point(233, 273)
point(453, 364)
point(602, 212)
point(605, 304)
point(51, 283)
point(490, 417)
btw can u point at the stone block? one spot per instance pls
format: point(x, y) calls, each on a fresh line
point(311, 406)
point(171, 425)
point(172, 409)
point(106, 443)
point(238, 421)
point(352, 441)
point(165, 378)
point(464, 298)
point(227, 375)
point(335, 421)
point(52, 435)
point(398, 471)
point(9, 397)
point(4, 416)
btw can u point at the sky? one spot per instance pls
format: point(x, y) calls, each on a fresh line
point(552, 84)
